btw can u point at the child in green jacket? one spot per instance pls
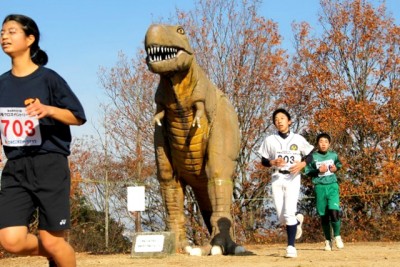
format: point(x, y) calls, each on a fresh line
point(322, 169)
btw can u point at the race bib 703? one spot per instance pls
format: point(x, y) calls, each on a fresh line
point(18, 129)
point(290, 157)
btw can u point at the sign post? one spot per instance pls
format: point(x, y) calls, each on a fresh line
point(147, 244)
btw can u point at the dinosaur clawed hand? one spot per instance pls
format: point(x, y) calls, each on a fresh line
point(158, 117)
point(156, 121)
point(199, 107)
point(199, 113)
point(196, 121)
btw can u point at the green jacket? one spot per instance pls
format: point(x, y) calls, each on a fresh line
point(329, 158)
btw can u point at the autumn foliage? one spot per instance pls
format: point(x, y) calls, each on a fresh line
point(350, 76)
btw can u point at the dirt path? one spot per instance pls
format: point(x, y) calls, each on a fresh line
point(353, 255)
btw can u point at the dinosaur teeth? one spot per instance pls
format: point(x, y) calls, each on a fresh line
point(160, 53)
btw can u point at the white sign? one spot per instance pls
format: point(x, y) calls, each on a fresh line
point(149, 243)
point(136, 198)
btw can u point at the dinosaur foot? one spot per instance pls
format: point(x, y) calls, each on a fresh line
point(195, 252)
point(198, 251)
point(188, 249)
point(214, 250)
point(218, 250)
point(239, 250)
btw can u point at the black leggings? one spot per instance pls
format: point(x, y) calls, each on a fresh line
point(330, 215)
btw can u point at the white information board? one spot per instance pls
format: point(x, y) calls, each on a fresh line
point(149, 243)
point(136, 198)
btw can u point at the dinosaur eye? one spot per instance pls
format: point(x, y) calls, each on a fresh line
point(180, 30)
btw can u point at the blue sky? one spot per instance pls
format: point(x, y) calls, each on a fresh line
point(82, 36)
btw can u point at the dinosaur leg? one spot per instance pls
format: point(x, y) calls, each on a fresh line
point(173, 197)
point(215, 199)
point(171, 190)
point(223, 150)
point(220, 167)
point(220, 191)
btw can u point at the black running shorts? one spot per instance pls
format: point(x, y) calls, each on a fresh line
point(36, 182)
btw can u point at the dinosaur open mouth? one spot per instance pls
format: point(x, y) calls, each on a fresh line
point(160, 53)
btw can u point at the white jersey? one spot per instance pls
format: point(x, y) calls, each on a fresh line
point(291, 149)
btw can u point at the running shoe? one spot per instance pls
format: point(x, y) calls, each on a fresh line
point(291, 252)
point(299, 230)
point(328, 245)
point(339, 242)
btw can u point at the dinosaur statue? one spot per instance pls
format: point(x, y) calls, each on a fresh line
point(196, 140)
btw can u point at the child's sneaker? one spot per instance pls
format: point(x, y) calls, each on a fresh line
point(339, 242)
point(328, 245)
point(299, 230)
point(291, 252)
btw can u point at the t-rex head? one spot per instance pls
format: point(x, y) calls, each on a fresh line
point(168, 49)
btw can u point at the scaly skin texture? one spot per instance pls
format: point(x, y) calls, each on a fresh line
point(196, 137)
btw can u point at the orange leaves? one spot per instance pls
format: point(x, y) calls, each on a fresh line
point(350, 79)
point(302, 29)
point(323, 48)
point(330, 120)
